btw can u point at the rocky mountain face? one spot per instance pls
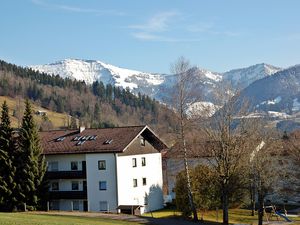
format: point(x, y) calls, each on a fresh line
point(277, 93)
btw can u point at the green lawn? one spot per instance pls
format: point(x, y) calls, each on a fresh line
point(36, 219)
point(239, 216)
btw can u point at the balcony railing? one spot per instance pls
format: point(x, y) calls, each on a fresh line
point(68, 194)
point(78, 174)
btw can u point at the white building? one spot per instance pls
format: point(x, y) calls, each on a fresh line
point(111, 169)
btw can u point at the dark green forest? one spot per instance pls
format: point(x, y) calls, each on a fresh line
point(95, 105)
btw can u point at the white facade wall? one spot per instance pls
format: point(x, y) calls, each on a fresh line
point(119, 175)
point(94, 176)
point(129, 195)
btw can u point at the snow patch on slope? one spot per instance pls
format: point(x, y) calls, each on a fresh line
point(205, 109)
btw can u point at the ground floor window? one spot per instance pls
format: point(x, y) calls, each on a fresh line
point(103, 206)
point(54, 205)
point(75, 205)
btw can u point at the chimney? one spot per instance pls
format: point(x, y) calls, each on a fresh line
point(81, 129)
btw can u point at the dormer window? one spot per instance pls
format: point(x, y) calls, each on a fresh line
point(143, 142)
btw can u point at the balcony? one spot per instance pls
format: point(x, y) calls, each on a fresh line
point(78, 174)
point(68, 194)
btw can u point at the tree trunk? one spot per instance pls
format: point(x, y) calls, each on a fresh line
point(260, 207)
point(190, 195)
point(225, 204)
point(252, 195)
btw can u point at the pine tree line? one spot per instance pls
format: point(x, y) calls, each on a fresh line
point(95, 105)
point(22, 166)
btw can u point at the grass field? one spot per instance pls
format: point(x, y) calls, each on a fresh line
point(36, 219)
point(57, 119)
point(236, 216)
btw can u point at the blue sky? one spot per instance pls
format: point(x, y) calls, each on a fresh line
point(150, 35)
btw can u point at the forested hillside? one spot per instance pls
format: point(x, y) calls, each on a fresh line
point(94, 105)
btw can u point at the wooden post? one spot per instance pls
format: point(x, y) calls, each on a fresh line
point(72, 206)
point(217, 214)
point(48, 206)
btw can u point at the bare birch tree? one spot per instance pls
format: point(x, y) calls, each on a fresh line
point(185, 93)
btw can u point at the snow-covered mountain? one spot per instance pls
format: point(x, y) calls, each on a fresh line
point(279, 93)
point(153, 84)
point(241, 78)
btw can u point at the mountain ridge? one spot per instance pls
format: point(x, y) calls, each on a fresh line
point(151, 84)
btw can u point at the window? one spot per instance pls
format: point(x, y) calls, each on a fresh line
point(143, 161)
point(54, 205)
point(74, 165)
point(143, 142)
point(133, 162)
point(101, 164)
point(146, 200)
point(75, 185)
point(134, 182)
point(52, 166)
point(103, 206)
point(75, 205)
point(102, 185)
point(144, 181)
point(55, 186)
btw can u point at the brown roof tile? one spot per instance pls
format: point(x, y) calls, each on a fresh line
point(120, 136)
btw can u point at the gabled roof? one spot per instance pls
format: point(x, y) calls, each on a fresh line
point(107, 140)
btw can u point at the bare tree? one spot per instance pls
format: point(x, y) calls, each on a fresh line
point(231, 141)
point(263, 164)
point(185, 92)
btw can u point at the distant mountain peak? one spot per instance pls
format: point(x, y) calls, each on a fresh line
point(245, 76)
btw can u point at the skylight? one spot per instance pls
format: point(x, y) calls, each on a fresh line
point(60, 138)
point(108, 141)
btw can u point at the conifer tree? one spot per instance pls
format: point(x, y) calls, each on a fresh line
point(31, 164)
point(7, 166)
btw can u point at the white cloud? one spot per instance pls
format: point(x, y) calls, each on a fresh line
point(76, 9)
point(157, 23)
point(200, 27)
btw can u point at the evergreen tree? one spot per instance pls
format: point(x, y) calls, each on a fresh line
point(31, 165)
point(7, 168)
